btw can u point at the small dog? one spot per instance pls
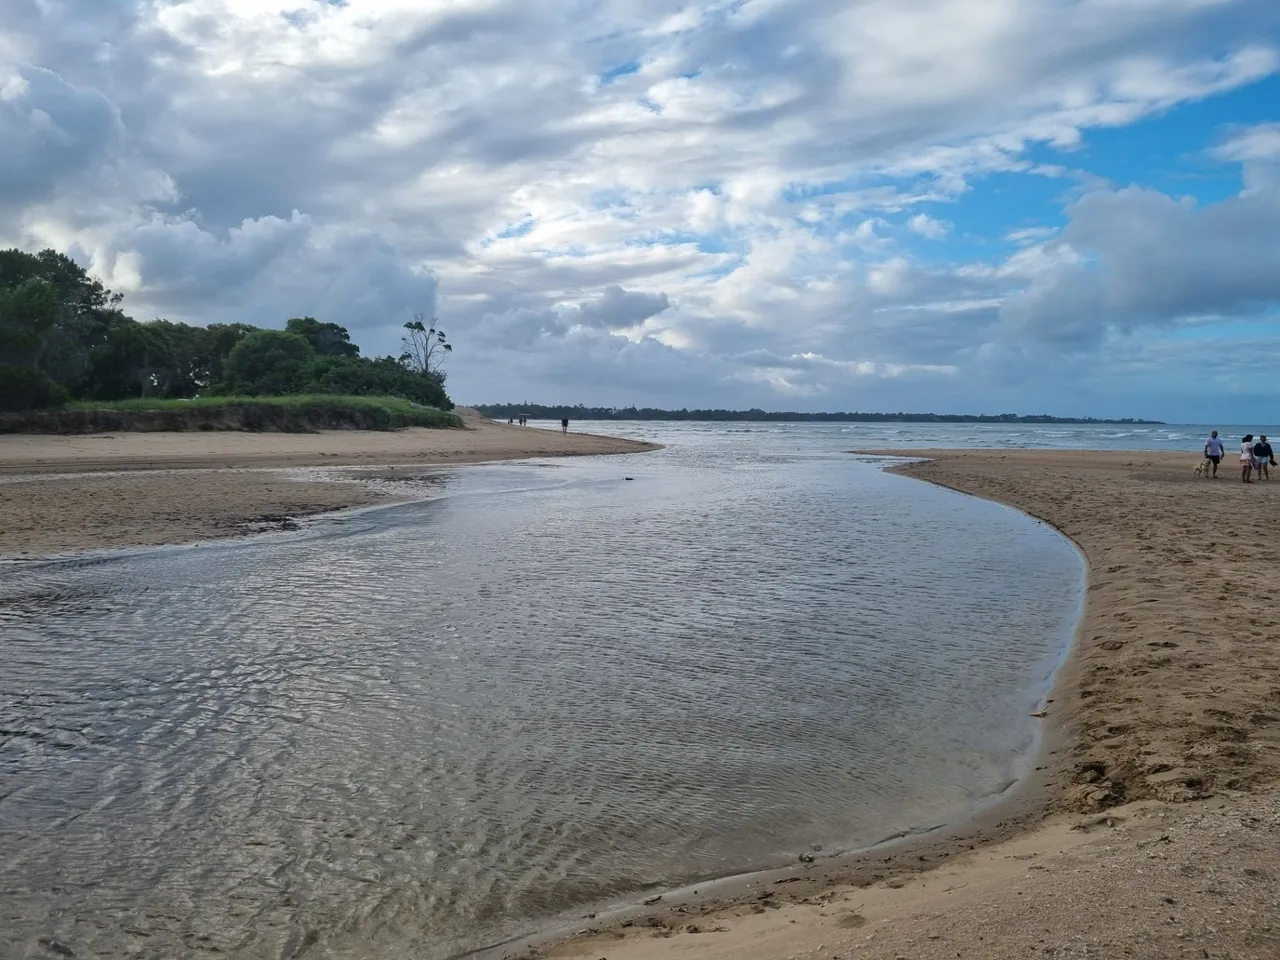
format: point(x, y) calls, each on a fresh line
point(1203, 467)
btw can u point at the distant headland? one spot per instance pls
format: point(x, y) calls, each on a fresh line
point(537, 411)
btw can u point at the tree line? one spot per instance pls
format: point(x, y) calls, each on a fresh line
point(537, 411)
point(64, 337)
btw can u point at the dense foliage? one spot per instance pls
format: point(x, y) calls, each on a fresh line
point(536, 411)
point(63, 337)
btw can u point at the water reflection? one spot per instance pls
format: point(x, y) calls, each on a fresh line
point(418, 729)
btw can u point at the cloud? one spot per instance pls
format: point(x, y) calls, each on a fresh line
point(662, 192)
point(617, 308)
point(59, 138)
point(1138, 257)
point(614, 311)
point(1261, 142)
point(928, 227)
point(266, 270)
point(1030, 234)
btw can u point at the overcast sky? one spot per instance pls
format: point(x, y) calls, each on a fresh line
point(1063, 206)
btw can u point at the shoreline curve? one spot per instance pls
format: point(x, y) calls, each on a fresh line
point(1115, 760)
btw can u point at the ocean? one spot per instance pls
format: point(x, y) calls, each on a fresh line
point(1171, 437)
point(421, 730)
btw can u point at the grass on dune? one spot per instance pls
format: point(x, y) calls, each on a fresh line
point(291, 413)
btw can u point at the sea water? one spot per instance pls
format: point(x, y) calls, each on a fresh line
point(417, 731)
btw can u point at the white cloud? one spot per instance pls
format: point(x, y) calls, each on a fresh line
point(928, 227)
point(1030, 234)
point(66, 142)
point(1140, 258)
point(264, 271)
point(1261, 142)
point(724, 195)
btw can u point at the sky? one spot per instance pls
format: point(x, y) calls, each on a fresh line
point(1033, 206)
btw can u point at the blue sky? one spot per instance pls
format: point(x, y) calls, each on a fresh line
point(1064, 206)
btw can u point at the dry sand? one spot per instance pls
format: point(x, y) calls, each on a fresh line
point(67, 493)
point(1152, 828)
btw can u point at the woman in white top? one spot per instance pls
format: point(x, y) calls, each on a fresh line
point(1246, 458)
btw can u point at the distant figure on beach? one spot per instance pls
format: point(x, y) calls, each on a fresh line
point(1213, 450)
point(1264, 458)
point(1246, 458)
point(564, 424)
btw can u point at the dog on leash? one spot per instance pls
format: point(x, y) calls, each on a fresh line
point(1203, 467)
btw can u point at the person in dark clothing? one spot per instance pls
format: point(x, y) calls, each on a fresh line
point(564, 424)
point(1264, 458)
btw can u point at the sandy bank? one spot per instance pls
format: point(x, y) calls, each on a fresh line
point(1152, 828)
point(60, 494)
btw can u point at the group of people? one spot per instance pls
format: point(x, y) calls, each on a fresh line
point(1256, 456)
point(524, 422)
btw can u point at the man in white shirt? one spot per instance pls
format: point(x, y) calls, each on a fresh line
point(1213, 451)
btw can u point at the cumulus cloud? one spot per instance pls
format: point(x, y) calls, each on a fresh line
point(928, 227)
point(62, 139)
point(615, 311)
point(617, 308)
point(1138, 257)
point(266, 270)
point(668, 197)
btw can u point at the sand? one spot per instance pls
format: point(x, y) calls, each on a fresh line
point(60, 494)
point(1151, 828)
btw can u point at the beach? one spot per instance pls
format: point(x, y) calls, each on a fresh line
point(545, 673)
point(1151, 826)
point(66, 493)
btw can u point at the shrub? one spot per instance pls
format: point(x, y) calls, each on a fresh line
point(29, 388)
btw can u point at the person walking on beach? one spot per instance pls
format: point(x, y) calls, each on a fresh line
point(1264, 458)
point(564, 424)
point(1213, 451)
point(1246, 458)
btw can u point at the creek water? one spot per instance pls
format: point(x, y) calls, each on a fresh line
point(417, 731)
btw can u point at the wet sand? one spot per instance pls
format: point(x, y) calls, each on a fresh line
point(1151, 828)
point(65, 493)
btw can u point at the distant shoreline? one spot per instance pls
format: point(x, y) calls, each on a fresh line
point(502, 411)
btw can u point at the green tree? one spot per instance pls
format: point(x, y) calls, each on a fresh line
point(268, 362)
point(327, 339)
point(27, 387)
point(385, 376)
point(118, 369)
point(83, 317)
point(222, 338)
point(425, 347)
point(28, 310)
point(63, 336)
point(179, 358)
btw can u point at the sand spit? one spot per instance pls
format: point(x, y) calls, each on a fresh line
point(66, 493)
point(1151, 828)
